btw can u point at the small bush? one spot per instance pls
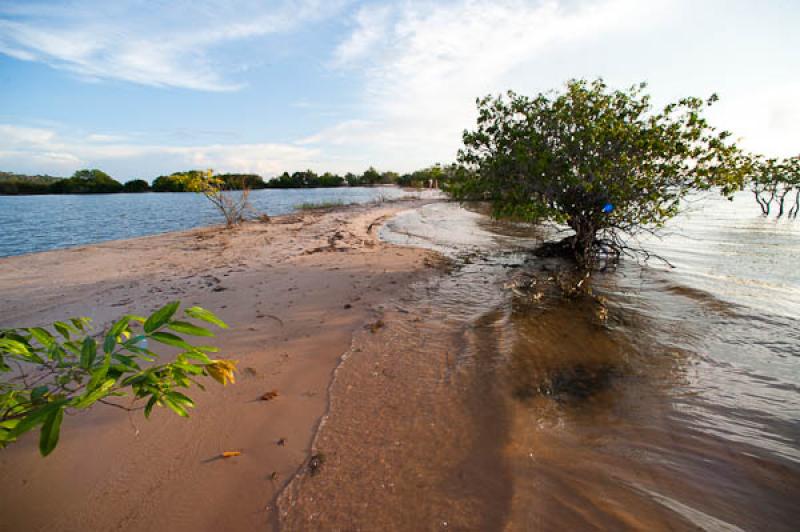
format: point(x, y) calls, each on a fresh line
point(50, 371)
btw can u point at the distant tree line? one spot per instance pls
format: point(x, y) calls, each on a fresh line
point(11, 183)
point(94, 181)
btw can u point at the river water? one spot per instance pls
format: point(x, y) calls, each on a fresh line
point(479, 406)
point(40, 223)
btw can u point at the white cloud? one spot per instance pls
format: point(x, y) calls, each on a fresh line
point(37, 150)
point(765, 119)
point(426, 62)
point(167, 44)
point(24, 136)
point(372, 25)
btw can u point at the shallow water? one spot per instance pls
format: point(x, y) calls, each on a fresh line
point(482, 408)
point(40, 223)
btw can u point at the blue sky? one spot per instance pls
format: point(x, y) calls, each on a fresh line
point(141, 88)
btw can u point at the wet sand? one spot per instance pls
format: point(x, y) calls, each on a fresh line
point(479, 407)
point(451, 400)
point(294, 291)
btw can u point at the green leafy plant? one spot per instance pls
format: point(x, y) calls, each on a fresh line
point(601, 161)
point(49, 371)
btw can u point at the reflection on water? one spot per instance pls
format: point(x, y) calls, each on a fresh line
point(482, 409)
point(41, 223)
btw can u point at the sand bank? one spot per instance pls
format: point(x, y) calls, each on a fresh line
point(294, 291)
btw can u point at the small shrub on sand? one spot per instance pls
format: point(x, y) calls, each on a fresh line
point(49, 371)
point(229, 196)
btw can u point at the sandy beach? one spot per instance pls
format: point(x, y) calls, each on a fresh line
point(415, 390)
point(294, 292)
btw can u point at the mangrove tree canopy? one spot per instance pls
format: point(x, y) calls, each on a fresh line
point(601, 161)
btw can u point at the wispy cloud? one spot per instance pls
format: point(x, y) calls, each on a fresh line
point(159, 44)
point(426, 62)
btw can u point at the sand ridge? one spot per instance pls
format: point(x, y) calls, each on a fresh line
point(293, 290)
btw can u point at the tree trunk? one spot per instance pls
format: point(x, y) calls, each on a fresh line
point(796, 208)
point(584, 240)
point(761, 203)
point(782, 200)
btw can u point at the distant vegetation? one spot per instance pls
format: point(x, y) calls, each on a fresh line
point(94, 181)
point(87, 182)
point(25, 184)
point(136, 185)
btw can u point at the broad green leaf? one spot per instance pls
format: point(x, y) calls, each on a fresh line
point(161, 316)
point(42, 336)
point(63, 329)
point(171, 339)
point(109, 343)
point(93, 396)
point(174, 406)
point(149, 406)
point(197, 355)
point(13, 346)
point(35, 417)
point(73, 348)
point(207, 316)
point(113, 334)
point(188, 328)
point(128, 363)
point(48, 438)
point(38, 393)
point(189, 368)
point(88, 352)
point(9, 424)
point(99, 373)
point(206, 348)
point(79, 323)
point(179, 398)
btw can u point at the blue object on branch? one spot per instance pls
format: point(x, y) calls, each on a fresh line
point(608, 208)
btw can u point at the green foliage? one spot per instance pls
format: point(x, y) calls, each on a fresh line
point(242, 181)
point(12, 184)
point(371, 177)
point(136, 185)
point(773, 181)
point(86, 181)
point(93, 181)
point(602, 161)
point(63, 368)
point(322, 205)
point(306, 179)
point(436, 176)
point(177, 182)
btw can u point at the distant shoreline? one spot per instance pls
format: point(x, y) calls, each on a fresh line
point(190, 192)
point(33, 225)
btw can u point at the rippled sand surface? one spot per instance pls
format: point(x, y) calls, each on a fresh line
point(472, 407)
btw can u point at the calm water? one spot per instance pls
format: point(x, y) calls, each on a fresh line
point(514, 411)
point(40, 223)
